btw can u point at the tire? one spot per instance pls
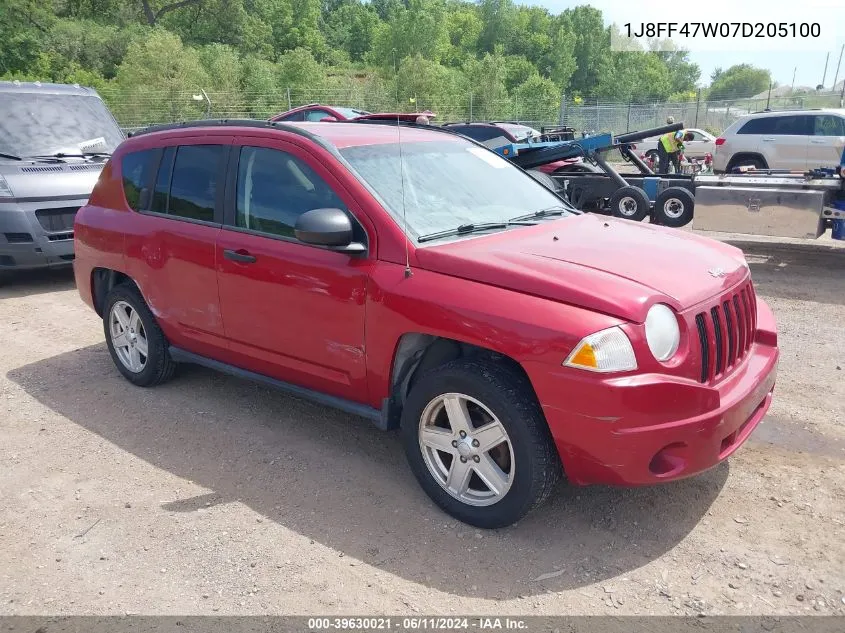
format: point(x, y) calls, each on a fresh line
point(757, 163)
point(579, 168)
point(629, 203)
point(674, 207)
point(652, 154)
point(544, 179)
point(525, 466)
point(156, 365)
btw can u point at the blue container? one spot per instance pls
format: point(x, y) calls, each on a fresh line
point(838, 230)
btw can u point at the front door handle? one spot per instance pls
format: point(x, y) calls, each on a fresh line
point(818, 141)
point(241, 256)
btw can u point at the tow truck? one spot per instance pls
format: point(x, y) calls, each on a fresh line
point(774, 202)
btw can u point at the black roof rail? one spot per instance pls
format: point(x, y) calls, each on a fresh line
point(255, 123)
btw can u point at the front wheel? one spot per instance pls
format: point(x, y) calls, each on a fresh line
point(629, 203)
point(478, 443)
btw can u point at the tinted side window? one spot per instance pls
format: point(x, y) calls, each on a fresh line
point(275, 188)
point(763, 125)
point(193, 182)
point(316, 115)
point(829, 125)
point(296, 116)
point(798, 125)
point(480, 133)
point(135, 170)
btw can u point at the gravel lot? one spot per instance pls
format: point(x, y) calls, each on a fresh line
point(214, 495)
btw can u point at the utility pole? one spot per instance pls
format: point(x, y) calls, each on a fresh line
point(838, 64)
point(793, 79)
point(769, 98)
point(826, 59)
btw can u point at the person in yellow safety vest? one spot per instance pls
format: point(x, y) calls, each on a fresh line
point(669, 149)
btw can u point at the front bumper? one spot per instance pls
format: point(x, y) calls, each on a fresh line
point(26, 244)
point(650, 428)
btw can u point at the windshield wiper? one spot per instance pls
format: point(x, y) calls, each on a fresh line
point(464, 229)
point(12, 156)
point(542, 213)
point(58, 156)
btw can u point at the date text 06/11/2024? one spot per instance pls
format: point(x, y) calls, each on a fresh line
point(769, 30)
point(419, 623)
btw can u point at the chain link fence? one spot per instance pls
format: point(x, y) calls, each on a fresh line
point(137, 109)
point(712, 116)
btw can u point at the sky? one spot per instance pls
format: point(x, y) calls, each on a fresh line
point(804, 56)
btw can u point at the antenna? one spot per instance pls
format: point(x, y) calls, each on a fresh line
point(401, 170)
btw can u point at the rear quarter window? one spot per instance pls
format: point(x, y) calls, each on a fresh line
point(763, 125)
point(135, 170)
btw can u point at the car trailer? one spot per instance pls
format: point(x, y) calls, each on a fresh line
point(669, 199)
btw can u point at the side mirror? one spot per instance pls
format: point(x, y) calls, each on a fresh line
point(327, 227)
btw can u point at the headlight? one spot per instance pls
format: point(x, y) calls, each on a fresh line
point(5, 190)
point(605, 351)
point(662, 332)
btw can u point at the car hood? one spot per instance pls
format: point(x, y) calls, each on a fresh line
point(36, 180)
point(617, 267)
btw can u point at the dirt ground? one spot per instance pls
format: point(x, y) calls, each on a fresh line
point(213, 495)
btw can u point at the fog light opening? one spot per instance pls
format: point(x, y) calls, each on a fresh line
point(668, 461)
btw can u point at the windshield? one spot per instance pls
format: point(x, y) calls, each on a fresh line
point(448, 184)
point(351, 113)
point(34, 124)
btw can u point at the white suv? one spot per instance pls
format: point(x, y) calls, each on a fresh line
point(794, 140)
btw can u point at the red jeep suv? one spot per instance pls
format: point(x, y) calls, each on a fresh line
point(414, 277)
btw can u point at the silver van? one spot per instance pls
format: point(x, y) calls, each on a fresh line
point(54, 141)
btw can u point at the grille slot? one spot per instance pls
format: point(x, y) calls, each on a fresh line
point(57, 219)
point(37, 170)
point(705, 348)
point(60, 237)
point(726, 332)
point(729, 323)
point(717, 328)
point(18, 238)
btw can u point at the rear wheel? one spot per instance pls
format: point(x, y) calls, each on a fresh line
point(136, 343)
point(630, 203)
point(674, 207)
point(742, 161)
point(478, 443)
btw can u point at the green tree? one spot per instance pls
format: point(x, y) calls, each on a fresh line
point(158, 78)
point(497, 17)
point(742, 80)
point(351, 27)
point(536, 99)
point(591, 47)
point(419, 29)
point(486, 79)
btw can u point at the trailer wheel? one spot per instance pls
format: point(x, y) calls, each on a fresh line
point(578, 168)
point(630, 203)
point(544, 179)
point(674, 207)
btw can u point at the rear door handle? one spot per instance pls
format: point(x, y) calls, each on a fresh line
point(241, 256)
point(817, 141)
point(768, 138)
